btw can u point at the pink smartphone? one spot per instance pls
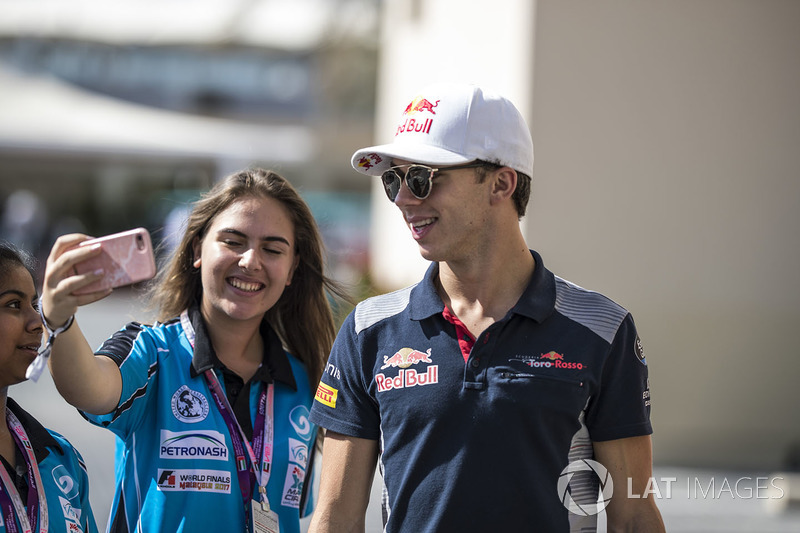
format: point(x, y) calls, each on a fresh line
point(126, 258)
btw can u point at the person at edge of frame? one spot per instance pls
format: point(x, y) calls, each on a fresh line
point(488, 388)
point(45, 486)
point(211, 404)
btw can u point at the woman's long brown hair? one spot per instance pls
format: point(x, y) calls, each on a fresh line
point(302, 317)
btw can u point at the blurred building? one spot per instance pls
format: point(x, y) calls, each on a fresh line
point(114, 114)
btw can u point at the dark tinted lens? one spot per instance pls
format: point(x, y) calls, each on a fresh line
point(391, 184)
point(418, 181)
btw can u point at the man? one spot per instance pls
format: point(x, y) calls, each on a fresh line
point(482, 388)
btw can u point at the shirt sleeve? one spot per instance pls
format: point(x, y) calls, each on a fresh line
point(343, 402)
point(136, 354)
point(622, 407)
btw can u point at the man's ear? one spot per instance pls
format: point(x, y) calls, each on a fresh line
point(504, 183)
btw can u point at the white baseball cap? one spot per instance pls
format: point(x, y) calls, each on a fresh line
point(451, 124)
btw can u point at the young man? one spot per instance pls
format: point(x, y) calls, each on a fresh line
point(486, 387)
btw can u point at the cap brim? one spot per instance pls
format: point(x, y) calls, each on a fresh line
point(375, 160)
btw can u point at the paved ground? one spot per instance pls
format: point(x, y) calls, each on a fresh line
point(691, 500)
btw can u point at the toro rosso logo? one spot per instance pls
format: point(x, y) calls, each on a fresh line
point(551, 359)
point(407, 377)
point(417, 125)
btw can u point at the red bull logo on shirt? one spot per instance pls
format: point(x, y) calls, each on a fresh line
point(405, 357)
point(553, 356)
point(407, 377)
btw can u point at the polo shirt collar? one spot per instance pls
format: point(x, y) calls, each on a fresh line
point(40, 438)
point(274, 366)
point(424, 299)
point(537, 301)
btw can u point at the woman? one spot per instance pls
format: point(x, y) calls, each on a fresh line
point(44, 482)
point(211, 410)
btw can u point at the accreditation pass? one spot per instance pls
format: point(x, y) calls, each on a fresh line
point(264, 520)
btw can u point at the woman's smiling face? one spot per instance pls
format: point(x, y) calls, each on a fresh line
point(20, 325)
point(247, 258)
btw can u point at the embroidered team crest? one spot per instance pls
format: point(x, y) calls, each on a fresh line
point(189, 406)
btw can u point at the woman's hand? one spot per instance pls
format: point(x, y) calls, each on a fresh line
point(60, 280)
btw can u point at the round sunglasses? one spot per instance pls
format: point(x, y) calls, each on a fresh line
point(418, 178)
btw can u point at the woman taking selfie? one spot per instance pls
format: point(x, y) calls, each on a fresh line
point(211, 403)
point(44, 481)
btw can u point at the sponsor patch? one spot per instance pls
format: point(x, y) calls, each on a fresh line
point(193, 445)
point(218, 481)
point(298, 453)
point(293, 487)
point(326, 395)
point(298, 417)
point(551, 359)
point(71, 512)
point(407, 378)
point(65, 482)
point(638, 349)
point(189, 405)
point(405, 357)
point(369, 161)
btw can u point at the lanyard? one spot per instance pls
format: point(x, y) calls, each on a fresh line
point(10, 500)
point(262, 438)
point(263, 430)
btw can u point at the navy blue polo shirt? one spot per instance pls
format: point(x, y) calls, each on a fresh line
point(479, 446)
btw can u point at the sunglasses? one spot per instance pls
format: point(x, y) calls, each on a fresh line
point(418, 178)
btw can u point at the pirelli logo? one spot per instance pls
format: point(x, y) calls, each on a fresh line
point(326, 395)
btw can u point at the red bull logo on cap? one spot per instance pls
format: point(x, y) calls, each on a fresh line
point(369, 161)
point(416, 125)
point(420, 104)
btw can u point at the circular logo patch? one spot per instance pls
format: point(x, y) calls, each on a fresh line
point(578, 495)
point(189, 405)
point(639, 351)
